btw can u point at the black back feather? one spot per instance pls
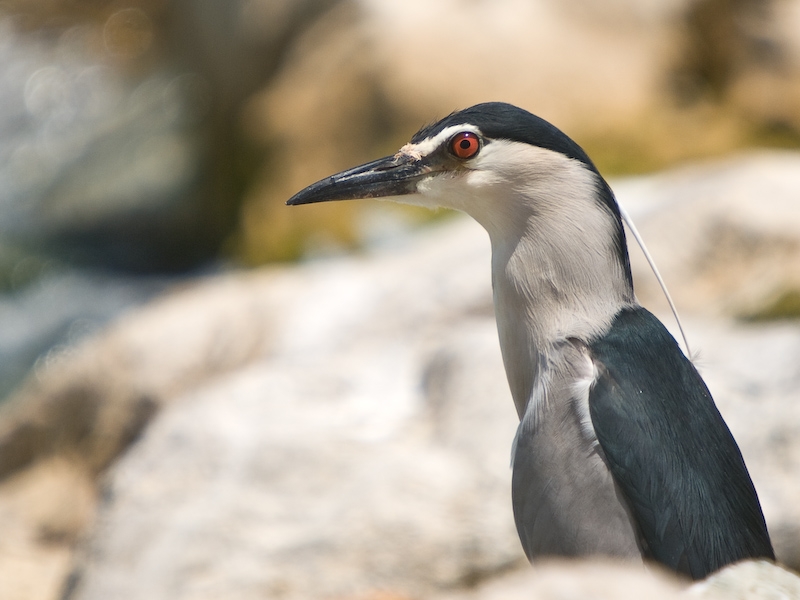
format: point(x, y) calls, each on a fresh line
point(670, 451)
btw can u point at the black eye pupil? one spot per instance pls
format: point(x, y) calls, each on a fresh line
point(465, 144)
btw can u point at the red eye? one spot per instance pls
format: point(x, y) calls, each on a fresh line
point(465, 144)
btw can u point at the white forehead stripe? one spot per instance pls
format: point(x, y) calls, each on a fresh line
point(428, 145)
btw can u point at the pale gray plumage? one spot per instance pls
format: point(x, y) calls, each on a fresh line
point(564, 490)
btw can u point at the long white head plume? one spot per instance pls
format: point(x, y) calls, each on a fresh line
point(632, 228)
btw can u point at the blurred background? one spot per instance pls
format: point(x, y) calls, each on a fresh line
point(146, 139)
point(147, 143)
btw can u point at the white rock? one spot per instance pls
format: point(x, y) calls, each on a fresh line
point(354, 455)
point(725, 234)
point(748, 580)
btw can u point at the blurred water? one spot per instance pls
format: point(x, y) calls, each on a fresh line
point(48, 318)
point(85, 151)
point(89, 156)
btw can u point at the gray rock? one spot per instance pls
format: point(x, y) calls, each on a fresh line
point(353, 455)
point(725, 233)
point(749, 580)
point(562, 580)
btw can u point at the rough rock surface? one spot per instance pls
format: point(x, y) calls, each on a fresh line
point(342, 429)
point(602, 580)
point(724, 233)
point(749, 580)
point(352, 448)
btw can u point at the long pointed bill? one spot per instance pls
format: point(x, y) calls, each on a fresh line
point(390, 176)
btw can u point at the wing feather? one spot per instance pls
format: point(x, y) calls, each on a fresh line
point(671, 452)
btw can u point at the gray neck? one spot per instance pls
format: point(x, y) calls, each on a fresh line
point(556, 274)
point(557, 269)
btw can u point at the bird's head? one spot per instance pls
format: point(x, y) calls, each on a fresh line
point(498, 163)
point(513, 172)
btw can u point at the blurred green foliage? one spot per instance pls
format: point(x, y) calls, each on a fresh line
point(786, 305)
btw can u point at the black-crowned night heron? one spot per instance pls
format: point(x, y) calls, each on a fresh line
point(620, 450)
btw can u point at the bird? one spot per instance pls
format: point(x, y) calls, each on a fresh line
point(620, 451)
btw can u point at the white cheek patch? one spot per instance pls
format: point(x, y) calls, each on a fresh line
point(479, 179)
point(423, 195)
point(434, 190)
point(460, 191)
point(424, 186)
